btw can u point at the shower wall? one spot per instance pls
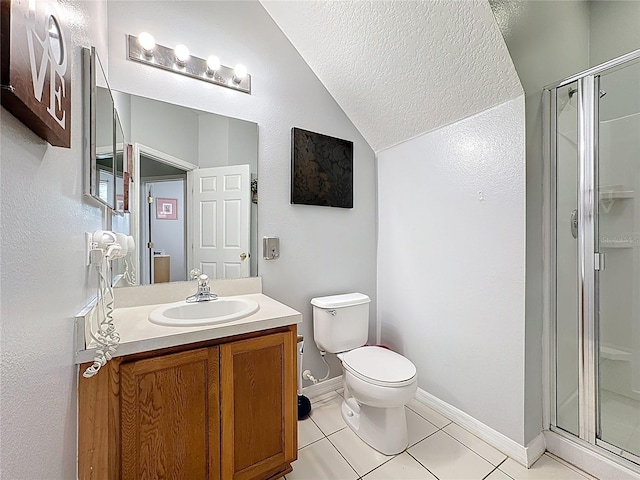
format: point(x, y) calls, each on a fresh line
point(613, 29)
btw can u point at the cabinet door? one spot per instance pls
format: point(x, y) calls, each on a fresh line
point(259, 423)
point(170, 424)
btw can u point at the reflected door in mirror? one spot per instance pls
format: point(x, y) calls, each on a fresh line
point(222, 203)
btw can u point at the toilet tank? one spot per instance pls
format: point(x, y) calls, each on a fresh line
point(341, 322)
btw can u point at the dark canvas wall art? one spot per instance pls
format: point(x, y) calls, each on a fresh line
point(321, 170)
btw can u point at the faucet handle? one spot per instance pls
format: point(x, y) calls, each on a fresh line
point(195, 273)
point(203, 280)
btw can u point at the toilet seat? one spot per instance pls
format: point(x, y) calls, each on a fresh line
point(379, 366)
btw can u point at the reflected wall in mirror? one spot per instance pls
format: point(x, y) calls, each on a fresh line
point(191, 196)
point(122, 169)
point(99, 179)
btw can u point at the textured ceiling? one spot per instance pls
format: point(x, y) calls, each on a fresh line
point(402, 68)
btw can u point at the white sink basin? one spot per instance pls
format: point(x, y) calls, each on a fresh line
point(182, 314)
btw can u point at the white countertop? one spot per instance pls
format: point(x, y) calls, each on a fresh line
point(138, 334)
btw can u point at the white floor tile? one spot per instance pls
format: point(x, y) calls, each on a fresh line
point(360, 456)
point(482, 448)
point(417, 427)
point(498, 474)
point(404, 467)
point(448, 459)
point(546, 468)
point(327, 415)
point(308, 432)
point(428, 413)
point(321, 461)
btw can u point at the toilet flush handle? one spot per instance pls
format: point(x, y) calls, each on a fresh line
point(332, 312)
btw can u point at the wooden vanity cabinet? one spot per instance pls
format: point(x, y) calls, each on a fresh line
point(224, 409)
point(169, 416)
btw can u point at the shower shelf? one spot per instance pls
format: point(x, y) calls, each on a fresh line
point(616, 194)
point(619, 244)
point(609, 194)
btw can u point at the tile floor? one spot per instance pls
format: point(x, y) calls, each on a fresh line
point(438, 450)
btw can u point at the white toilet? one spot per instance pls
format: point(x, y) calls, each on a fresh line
point(377, 382)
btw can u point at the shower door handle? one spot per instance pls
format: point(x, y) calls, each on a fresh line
point(574, 223)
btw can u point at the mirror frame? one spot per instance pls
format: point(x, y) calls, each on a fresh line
point(90, 64)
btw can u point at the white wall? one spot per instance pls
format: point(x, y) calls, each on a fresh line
point(169, 235)
point(323, 250)
point(43, 280)
point(122, 103)
point(175, 129)
point(451, 254)
point(613, 29)
point(243, 137)
point(213, 138)
point(227, 141)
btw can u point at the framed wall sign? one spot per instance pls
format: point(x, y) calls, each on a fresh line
point(35, 68)
point(321, 169)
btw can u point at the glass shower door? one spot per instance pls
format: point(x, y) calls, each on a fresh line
point(618, 280)
point(566, 278)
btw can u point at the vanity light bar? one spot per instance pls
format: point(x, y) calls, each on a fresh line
point(164, 57)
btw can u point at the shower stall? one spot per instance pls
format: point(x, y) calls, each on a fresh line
point(592, 127)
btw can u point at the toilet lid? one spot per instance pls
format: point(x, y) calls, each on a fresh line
point(380, 365)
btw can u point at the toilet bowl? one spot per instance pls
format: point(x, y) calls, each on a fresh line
point(377, 385)
point(377, 381)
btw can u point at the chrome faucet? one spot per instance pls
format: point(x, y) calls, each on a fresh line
point(204, 291)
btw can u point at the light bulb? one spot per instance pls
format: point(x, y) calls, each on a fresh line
point(239, 72)
point(182, 54)
point(213, 64)
point(147, 42)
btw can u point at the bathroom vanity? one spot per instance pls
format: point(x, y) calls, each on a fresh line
point(207, 402)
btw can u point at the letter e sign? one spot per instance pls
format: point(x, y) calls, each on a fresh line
point(36, 68)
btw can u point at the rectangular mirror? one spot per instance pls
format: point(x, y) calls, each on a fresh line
point(193, 191)
point(99, 131)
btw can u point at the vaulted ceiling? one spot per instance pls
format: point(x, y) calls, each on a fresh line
point(402, 68)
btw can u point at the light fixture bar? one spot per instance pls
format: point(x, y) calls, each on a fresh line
point(194, 67)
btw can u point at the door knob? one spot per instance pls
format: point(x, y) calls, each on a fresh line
point(243, 255)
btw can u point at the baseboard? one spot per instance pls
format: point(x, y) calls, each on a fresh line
point(524, 455)
point(321, 388)
point(598, 463)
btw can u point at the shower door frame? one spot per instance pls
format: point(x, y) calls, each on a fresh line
point(588, 83)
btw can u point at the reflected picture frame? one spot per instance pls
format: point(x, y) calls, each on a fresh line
point(167, 208)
